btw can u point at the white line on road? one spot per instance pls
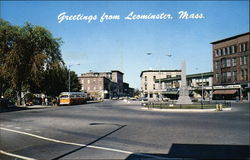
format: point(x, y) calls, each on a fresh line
point(15, 155)
point(41, 137)
point(81, 145)
point(27, 129)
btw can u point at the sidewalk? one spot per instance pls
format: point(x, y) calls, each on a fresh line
point(21, 108)
point(38, 106)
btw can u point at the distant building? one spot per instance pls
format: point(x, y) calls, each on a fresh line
point(199, 84)
point(103, 84)
point(127, 91)
point(231, 67)
point(150, 88)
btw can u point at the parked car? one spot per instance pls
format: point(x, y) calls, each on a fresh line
point(4, 102)
point(132, 99)
point(144, 101)
point(165, 99)
point(114, 98)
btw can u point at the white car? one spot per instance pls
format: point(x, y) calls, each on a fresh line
point(144, 101)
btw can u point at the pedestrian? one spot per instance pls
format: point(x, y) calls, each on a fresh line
point(43, 101)
point(54, 101)
point(46, 101)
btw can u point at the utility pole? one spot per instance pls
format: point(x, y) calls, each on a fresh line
point(69, 74)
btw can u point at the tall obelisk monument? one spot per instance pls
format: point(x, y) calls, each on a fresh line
point(184, 92)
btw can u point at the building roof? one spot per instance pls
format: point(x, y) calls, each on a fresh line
point(191, 76)
point(81, 77)
point(159, 71)
point(117, 71)
point(229, 38)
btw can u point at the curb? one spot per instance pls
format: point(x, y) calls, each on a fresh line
point(184, 110)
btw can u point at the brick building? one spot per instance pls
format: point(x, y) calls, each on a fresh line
point(231, 67)
point(102, 84)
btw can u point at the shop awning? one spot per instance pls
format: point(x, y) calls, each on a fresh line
point(230, 91)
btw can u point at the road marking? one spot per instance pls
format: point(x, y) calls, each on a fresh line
point(27, 129)
point(81, 145)
point(18, 127)
point(41, 137)
point(15, 155)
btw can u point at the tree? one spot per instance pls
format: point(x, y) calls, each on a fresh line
point(10, 60)
point(75, 86)
point(137, 92)
point(30, 57)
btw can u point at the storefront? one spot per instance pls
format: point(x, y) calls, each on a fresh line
point(229, 92)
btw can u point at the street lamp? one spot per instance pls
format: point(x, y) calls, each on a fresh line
point(159, 86)
point(202, 96)
point(69, 74)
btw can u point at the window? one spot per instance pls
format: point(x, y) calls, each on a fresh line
point(88, 81)
point(245, 60)
point(235, 75)
point(94, 88)
point(220, 52)
point(168, 76)
point(151, 95)
point(223, 62)
point(146, 87)
point(216, 53)
point(216, 64)
point(228, 76)
point(243, 47)
point(241, 60)
point(153, 86)
point(224, 51)
point(154, 78)
point(233, 49)
point(228, 62)
point(224, 77)
point(234, 61)
point(217, 77)
point(82, 87)
point(229, 50)
point(145, 78)
point(245, 74)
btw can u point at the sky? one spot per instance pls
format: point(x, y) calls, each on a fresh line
point(122, 44)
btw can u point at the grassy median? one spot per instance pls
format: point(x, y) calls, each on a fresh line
point(184, 106)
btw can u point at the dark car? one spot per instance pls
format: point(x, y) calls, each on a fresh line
point(4, 102)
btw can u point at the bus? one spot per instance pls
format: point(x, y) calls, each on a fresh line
point(70, 98)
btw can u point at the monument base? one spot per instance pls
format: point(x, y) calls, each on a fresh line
point(184, 100)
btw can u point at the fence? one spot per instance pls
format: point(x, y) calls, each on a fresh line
point(195, 105)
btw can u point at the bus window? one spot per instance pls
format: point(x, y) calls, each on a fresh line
point(64, 96)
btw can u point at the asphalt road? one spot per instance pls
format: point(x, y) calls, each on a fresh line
point(118, 130)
